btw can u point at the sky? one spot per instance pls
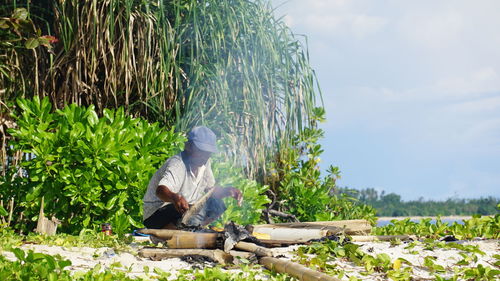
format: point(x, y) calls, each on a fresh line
point(411, 90)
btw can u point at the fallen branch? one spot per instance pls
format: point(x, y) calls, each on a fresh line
point(283, 215)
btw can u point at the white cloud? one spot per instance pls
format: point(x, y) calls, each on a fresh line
point(436, 31)
point(332, 17)
point(476, 106)
point(483, 80)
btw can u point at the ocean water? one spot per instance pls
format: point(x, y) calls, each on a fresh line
point(450, 221)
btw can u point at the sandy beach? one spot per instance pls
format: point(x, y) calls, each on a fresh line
point(85, 258)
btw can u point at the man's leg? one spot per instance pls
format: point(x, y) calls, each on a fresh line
point(165, 217)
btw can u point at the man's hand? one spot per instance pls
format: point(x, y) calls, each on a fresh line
point(180, 204)
point(235, 193)
point(221, 192)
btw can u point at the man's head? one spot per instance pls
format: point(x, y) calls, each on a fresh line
point(200, 145)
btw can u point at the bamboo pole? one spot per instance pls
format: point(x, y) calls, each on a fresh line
point(193, 210)
point(257, 250)
point(193, 241)
point(164, 234)
point(294, 269)
point(160, 253)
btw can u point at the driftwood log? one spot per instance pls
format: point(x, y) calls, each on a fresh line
point(304, 231)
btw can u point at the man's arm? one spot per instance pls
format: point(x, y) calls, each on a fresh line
point(180, 203)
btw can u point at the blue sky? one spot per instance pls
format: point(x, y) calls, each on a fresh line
point(411, 90)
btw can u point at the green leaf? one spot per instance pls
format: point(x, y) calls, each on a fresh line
point(92, 118)
point(20, 13)
point(3, 212)
point(31, 43)
point(3, 24)
point(111, 203)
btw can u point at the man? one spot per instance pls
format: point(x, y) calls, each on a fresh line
point(182, 180)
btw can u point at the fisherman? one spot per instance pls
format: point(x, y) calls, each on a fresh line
point(182, 180)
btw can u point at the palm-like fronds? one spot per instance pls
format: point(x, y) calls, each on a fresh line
point(229, 64)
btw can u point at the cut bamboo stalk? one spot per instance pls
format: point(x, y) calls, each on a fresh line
point(11, 210)
point(162, 233)
point(294, 269)
point(193, 241)
point(251, 247)
point(159, 254)
point(370, 238)
point(44, 225)
point(193, 210)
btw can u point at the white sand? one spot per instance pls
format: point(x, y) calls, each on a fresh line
point(84, 258)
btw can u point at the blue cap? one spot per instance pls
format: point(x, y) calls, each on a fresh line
point(203, 138)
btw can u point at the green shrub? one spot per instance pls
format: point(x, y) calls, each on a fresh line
point(296, 181)
point(89, 170)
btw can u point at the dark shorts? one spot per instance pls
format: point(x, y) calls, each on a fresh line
point(168, 214)
point(163, 216)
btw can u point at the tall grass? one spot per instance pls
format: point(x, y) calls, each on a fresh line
point(228, 64)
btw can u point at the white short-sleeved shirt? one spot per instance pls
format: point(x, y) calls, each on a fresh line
point(178, 177)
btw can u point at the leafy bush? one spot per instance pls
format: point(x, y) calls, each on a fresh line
point(90, 170)
point(296, 181)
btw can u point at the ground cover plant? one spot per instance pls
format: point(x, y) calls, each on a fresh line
point(477, 226)
point(323, 257)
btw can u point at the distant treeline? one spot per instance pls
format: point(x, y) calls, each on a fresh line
point(391, 205)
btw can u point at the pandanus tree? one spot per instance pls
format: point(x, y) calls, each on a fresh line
point(228, 64)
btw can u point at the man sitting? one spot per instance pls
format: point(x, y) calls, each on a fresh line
point(182, 180)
